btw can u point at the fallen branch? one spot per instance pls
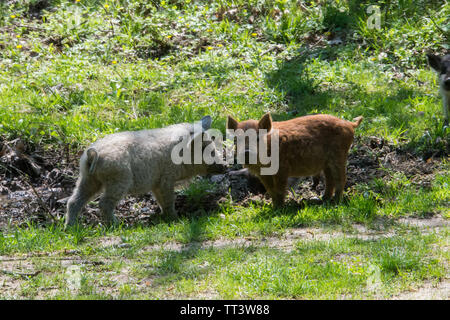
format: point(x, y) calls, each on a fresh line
point(24, 275)
point(276, 47)
point(29, 27)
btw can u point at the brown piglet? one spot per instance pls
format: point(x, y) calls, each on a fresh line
point(307, 146)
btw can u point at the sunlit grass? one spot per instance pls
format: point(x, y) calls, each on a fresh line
point(79, 70)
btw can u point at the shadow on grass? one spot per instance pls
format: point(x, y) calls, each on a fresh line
point(304, 93)
point(389, 111)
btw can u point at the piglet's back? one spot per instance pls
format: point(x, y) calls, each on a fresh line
point(321, 128)
point(140, 143)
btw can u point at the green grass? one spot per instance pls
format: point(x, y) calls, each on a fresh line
point(91, 84)
point(76, 71)
point(342, 267)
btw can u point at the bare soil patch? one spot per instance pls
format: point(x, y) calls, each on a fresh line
point(288, 240)
point(429, 291)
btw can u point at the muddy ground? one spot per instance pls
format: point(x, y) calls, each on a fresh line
point(35, 182)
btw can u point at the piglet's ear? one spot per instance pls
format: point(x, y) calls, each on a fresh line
point(434, 62)
point(265, 122)
point(232, 123)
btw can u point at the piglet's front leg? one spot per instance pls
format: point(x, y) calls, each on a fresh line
point(165, 196)
point(276, 187)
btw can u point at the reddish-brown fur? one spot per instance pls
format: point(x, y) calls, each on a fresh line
point(307, 146)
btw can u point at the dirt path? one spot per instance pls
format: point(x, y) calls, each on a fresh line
point(429, 291)
point(287, 240)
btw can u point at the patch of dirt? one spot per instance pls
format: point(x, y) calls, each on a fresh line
point(13, 274)
point(375, 157)
point(434, 222)
point(288, 240)
point(17, 271)
point(10, 288)
point(35, 183)
point(429, 291)
point(109, 242)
